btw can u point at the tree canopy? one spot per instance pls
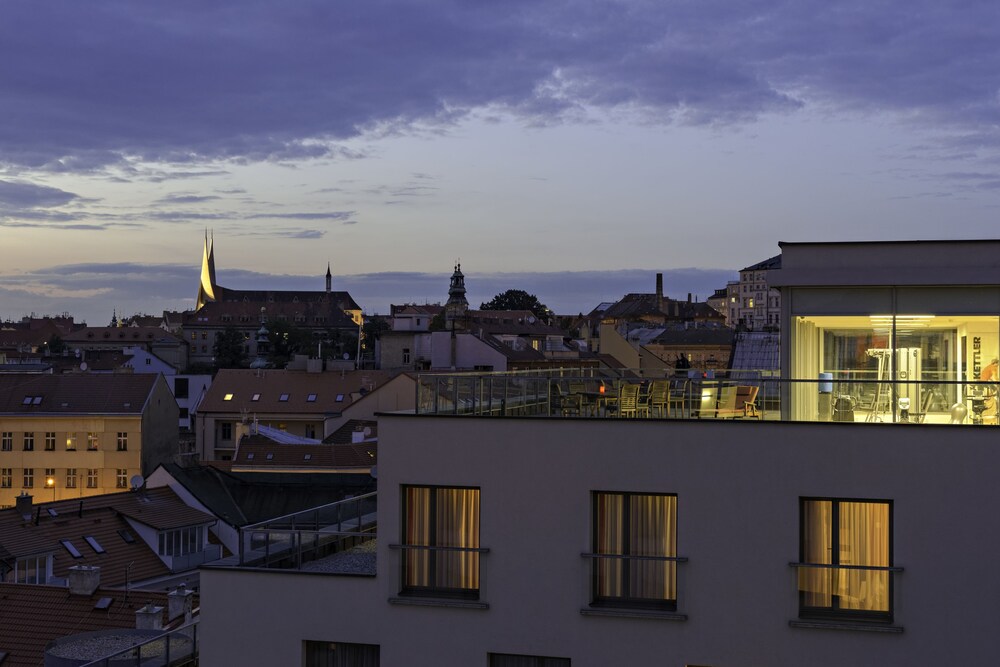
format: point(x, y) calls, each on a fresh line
point(516, 299)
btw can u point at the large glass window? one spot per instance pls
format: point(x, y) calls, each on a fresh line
point(440, 541)
point(635, 550)
point(917, 368)
point(846, 559)
point(340, 654)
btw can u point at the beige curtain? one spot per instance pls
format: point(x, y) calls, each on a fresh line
point(441, 517)
point(636, 525)
point(863, 539)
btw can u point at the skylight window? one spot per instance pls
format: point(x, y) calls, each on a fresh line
point(283, 398)
point(250, 456)
point(103, 603)
point(340, 398)
point(227, 397)
point(255, 397)
point(270, 456)
point(51, 512)
point(307, 457)
point(311, 398)
point(26, 401)
point(127, 536)
point(37, 400)
point(73, 551)
point(94, 544)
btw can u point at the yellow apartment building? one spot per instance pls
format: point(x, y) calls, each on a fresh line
point(71, 436)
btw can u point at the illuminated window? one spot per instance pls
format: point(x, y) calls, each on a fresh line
point(635, 550)
point(71, 442)
point(227, 397)
point(440, 534)
point(845, 551)
point(92, 442)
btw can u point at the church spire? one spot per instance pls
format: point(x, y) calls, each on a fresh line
point(457, 304)
point(329, 278)
point(207, 286)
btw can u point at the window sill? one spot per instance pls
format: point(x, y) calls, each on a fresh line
point(846, 625)
point(634, 613)
point(439, 602)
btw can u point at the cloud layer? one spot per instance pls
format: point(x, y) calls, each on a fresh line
point(87, 85)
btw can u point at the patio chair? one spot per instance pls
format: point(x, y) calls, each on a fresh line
point(564, 404)
point(658, 401)
point(628, 401)
point(746, 400)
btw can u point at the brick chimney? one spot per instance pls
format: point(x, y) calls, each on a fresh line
point(23, 504)
point(659, 292)
point(84, 579)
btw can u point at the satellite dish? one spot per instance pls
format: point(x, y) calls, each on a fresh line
point(346, 356)
point(77, 352)
point(367, 431)
point(374, 472)
point(83, 365)
point(137, 482)
point(531, 320)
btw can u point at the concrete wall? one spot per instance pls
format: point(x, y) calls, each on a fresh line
point(738, 486)
point(159, 427)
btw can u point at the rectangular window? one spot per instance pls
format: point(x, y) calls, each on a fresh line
point(225, 431)
point(50, 442)
point(70, 478)
point(328, 654)
point(50, 474)
point(121, 478)
point(71, 442)
point(122, 441)
point(29, 478)
point(92, 442)
point(511, 660)
point(92, 478)
point(32, 570)
point(6, 478)
point(406, 355)
point(845, 551)
point(29, 442)
point(7, 441)
point(441, 541)
point(635, 550)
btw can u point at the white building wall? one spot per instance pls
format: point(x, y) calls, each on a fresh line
point(738, 486)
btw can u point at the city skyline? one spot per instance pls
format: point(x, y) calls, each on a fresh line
point(525, 139)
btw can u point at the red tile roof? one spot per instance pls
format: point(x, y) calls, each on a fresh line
point(31, 616)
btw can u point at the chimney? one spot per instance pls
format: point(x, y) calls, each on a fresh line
point(689, 297)
point(659, 292)
point(23, 505)
point(179, 603)
point(84, 579)
point(149, 617)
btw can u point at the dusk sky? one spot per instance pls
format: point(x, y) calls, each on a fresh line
point(572, 149)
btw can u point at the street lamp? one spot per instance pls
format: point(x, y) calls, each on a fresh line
point(50, 482)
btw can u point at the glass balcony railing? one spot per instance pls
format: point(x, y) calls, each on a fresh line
point(741, 395)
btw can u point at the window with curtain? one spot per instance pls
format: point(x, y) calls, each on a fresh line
point(846, 556)
point(511, 660)
point(440, 541)
point(340, 654)
point(634, 534)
